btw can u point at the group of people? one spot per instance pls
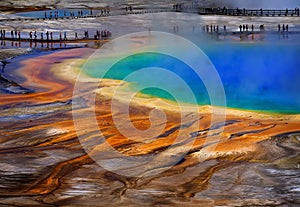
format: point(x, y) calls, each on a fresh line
point(79, 13)
point(242, 28)
point(213, 28)
point(246, 27)
point(49, 35)
point(284, 28)
point(14, 34)
point(100, 34)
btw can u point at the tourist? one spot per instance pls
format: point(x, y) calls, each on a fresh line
point(287, 27)
point(30, 35)
point(65, 35)
point(283, 27)
point(278, 27)
point(42, 36)
point(225, 30)
point(19, 35)
point(51, 36)
point(60, 37)
point(12, 34)
point(217, 28)
point(47, 35)
point(240, 28)
point(252, 27)
point(76, 36)
point(247, 27)
point(207, 28)
point(35, 35)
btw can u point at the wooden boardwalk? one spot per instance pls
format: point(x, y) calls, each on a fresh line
point(186, 8)
point(250, 12)
point(112, 13)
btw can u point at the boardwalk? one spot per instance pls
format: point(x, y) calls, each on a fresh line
point(249, 12)
point(97, 15)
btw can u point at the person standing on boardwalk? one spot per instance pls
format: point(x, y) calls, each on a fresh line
point(51, 36)
point(60, 37)
point(42, 36)
point(47, 35)
point(240, 28)
point(287, 27)
point(19, 35)
point(12, 34)
point(76, 36)
point(283, 27)
point(35, 36)
point(278, 27)
point(252, 28)
point(65, 35)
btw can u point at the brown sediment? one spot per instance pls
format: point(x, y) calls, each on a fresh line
point(57, 163)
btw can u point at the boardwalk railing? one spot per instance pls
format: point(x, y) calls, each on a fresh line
point(99, 14)
point(249, 12)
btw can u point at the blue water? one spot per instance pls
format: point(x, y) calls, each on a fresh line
point(257, 76)
point(61, 13)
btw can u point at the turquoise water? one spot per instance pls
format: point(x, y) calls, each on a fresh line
point(262, 77)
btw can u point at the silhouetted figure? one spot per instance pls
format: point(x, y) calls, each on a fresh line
point(247, 27)
point(278, 27)
point(225, 30)
point(252, 27)
point(283, 27)
point(76, 36)
point(12, 34)
point(60, 36)
point(51, 36)
point(240, 28)
point(42, 36)
point(287, 27)
point(35, 35)
point(65, 35)
point(244, 27)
